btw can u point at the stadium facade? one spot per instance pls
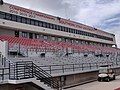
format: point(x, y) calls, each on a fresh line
point(32, 39)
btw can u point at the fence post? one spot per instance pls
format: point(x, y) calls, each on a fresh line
point(50, 69)
point(2, 73)
point(82, 67)
point(63, 68)
point(96, 65)
point(116, 61)
point(73, 67)
point(9, 70)
point(32, 70)
point(90, 65)
point(16, 68)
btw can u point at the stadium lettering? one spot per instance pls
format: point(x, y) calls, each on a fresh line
point(27, 12)
point(73, 24)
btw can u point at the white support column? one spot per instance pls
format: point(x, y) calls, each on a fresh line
point(4, 48)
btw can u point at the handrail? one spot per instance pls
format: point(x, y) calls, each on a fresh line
point(48, 78)
point(73, 67)
point(27, 69)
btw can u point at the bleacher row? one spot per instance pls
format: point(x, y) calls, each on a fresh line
point(80, 54)
point(43, 45)
point(55, 63)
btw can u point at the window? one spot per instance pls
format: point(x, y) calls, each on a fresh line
point(53, 38)
point(14, 18)
point(56, 27)
point(51, 26)
point(66, 29)
point(8, 16)
point(18, 19)
point(45, 37)
point(24, 20)
point(32, 22)
point(24, 34)
point(40, 23)
point(36, 36)
point(31, 35)
point(16, 33)
point(2, 15)
point(28, 21)
point(36, 23)
point(44, 24)
point(59, 39)
point(48, 25)
point(60, 28)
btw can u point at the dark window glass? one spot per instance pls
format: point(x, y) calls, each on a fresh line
point(2, 15)
point(19, 19)
point(8, 16)
point(60, 28)
point(36, 23)
point(44, 24)
point(67, 29)
point(48, 25)
point(24, 34)
point(28, 21)
point(56, 27)
point(51, 26)
point(16, 33)
point(40, 24)
point(24, 20)
point(36, 36)
point(31, 35)
point(32, 22)
point(14, 18)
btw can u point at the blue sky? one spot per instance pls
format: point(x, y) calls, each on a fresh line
point(103, 14)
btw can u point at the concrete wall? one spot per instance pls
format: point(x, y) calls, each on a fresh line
point(67, 81)
point(81, 78)
point(5, 31)
point(18, 87)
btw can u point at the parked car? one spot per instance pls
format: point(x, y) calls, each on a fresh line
point(106, 73)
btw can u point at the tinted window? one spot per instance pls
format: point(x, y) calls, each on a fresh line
point(32, 22)
point(28, 21)
point(14, 18)
point(18, 19)
point(8, 16)
point(2, 15)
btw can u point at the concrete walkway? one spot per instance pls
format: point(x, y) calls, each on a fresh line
point(112, 85)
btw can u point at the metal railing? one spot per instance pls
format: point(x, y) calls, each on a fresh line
point(27, 69)
point(52, 69)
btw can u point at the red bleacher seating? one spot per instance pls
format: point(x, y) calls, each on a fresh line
point(53, 45)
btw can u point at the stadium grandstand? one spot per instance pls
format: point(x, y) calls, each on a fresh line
point(44, 52)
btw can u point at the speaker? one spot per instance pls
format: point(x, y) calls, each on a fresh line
point(1, 2)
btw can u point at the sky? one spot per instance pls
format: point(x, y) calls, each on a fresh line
point(102, 14)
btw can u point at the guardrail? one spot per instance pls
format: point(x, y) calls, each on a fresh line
point(27, 69)
point(74, 67)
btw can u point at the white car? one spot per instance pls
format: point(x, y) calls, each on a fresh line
point(106, 73)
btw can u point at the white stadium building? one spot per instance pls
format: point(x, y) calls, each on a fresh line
point(44, 52)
